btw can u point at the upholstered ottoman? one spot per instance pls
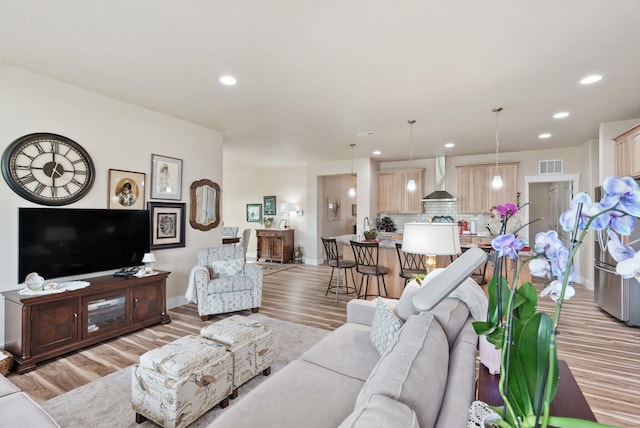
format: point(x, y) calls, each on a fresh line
point(177, 383)
point(250, 343)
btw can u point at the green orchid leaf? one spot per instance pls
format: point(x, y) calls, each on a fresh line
point(483, 328)
point(527, 301)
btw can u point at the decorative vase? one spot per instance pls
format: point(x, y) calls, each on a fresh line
point(490, 357)
point(34, 282)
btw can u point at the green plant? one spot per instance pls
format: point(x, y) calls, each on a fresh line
point(370, 234)
point(268, 221)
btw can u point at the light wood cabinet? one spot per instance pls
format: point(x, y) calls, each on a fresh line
point(45, 326)
point(393, 196)
point(275, 245)
point(628, 153)
point(475, 193)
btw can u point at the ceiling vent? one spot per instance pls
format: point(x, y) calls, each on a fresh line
point(550, 167)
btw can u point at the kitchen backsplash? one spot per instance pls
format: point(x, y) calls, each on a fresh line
point(433, 209)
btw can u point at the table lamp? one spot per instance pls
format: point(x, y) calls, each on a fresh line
point(148, 261)
point(289, 208)
point(431, 240)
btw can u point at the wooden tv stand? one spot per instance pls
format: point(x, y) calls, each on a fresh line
point(41, 327)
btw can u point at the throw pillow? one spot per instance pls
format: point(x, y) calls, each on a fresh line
point(224, 268)
point(384, 327)
point(381, 412)
point(405, 305)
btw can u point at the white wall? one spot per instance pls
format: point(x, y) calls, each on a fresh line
point(117, 135)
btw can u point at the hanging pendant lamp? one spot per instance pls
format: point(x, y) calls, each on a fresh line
point(411, 185)
point(352, 189)
point(496, 183)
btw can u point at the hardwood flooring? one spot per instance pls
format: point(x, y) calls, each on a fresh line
point(603, 354)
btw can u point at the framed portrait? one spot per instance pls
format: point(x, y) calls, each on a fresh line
point(254, 213)
point(166, 177)
point(126, 190)
point(283, 223)
point(269, 205)
point(167, 224)
point(354, 210)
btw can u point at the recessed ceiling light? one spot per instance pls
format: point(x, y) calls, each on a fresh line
point(228, 80)
point(591, 79)
point(561, 115)
point(545, 135)
point(366, 134)
point(377, 152)
point(449, 145)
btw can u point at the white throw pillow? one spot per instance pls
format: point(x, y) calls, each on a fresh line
point(384, 327)
point(223, 268)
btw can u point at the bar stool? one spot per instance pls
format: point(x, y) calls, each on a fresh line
point(334, 260)
point(410, 264)
point(366, 256)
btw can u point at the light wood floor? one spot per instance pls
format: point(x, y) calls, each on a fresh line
point(603, 354)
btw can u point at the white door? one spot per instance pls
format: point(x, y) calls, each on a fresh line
point(560, 195)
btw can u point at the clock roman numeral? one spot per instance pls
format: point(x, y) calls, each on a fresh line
point(54, 192)
point(29, 178)
point(39, 148)
point(76, 182)
point(80, 172)
point(77, 161)
point(39, 188)
point(55, 147)
point(23, 167)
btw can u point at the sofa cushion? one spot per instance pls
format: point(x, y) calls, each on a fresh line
point(384, 327)
point(452, 314)
point(347, 350)
point(20, 410)
point(224, 268)
point(7, 387)
point(301, 394)
point(419, 356)
point(381, 412)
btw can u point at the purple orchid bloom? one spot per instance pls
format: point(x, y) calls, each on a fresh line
point(617, 249)
point(508, 245)
point(540, 267)
point(548, 243)
point(623, 194)
point(629, 268)
point(507, 209)
point(569, 218)
point(554, 290)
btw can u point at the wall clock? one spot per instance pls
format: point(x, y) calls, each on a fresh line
point(48, 169)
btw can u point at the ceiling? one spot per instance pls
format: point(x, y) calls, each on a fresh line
point(313, 74)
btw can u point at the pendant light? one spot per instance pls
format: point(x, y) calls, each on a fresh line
point(411, 185)
point(497, 180)
point(352, 189)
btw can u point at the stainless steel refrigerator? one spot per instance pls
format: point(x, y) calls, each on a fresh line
point(617, 296)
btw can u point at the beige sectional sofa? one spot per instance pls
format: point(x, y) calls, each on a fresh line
point(17, 409)
point(425, 378)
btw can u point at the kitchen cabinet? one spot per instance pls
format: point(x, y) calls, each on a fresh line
point(41, 327)
point(475, 193)
point(393, 196)
point(628, 153)
point(275, 245)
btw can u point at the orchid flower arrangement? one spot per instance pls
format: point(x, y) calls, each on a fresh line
point(529, 365)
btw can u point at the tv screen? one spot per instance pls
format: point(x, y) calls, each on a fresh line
point(60, 242)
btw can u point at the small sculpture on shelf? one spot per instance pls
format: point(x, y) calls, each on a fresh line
point(385, 224)
point(34, 282)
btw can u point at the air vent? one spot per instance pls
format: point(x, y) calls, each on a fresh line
point(550, 167)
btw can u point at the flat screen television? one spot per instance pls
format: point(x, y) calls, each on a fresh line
point(62, 242)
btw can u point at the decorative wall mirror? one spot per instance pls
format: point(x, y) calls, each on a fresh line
point(205, 205)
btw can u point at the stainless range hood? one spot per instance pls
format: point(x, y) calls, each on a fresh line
point(440, 195)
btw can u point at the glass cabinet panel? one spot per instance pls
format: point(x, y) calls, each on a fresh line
point(106, 312)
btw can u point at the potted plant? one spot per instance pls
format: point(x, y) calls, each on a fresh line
point(267, 221)
point(370, 235)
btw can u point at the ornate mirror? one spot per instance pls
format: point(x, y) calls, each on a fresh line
point(205, 205)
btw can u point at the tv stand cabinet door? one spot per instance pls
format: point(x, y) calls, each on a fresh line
point(149, 302)
point(54, 325)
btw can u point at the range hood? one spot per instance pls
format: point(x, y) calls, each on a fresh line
point(440, 195)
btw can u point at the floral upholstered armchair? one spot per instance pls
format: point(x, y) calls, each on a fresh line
point(222, 282)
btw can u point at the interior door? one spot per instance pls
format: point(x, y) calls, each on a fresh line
point(560, 195)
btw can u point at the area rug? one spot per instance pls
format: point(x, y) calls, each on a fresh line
point(271, 268)
point(106, 402)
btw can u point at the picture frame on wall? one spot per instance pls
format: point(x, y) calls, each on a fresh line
point(254, 213)
point(126, 190)
point(167, 224)
point(354, 210)
point(269, 205)
point(166, 177)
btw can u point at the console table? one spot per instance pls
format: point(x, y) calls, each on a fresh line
point(275, 245)
point(568, 402)
point(45, 326)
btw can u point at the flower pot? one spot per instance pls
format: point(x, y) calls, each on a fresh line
point(490, 357)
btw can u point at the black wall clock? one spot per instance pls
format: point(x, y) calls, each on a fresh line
point(48, 169)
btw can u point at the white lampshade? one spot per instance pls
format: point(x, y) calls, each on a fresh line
point(286, 207)
point(438, 239)
point(497, 182)
point(148, 258)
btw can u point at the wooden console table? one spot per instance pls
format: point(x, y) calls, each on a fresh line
point(568, 402)
point(40, 327)
point(275, 245)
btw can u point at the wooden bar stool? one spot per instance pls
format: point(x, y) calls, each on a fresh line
point(366, 256)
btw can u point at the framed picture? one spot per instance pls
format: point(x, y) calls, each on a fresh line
point(167, 224)
point(269, 205)
point(283, 223)
point(166, 177)
point(333, 209)
point(254, 213)
point(354, 210)
point(126, 190)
